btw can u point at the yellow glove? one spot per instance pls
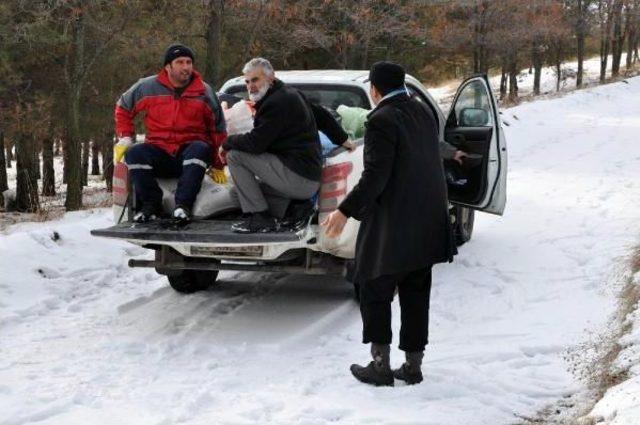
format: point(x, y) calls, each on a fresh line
point(120, 148)
point(217, 176)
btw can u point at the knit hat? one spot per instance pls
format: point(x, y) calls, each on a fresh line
point(386, 76)
point(175, 51)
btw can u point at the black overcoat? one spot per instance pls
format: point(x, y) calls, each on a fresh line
point(401, 198)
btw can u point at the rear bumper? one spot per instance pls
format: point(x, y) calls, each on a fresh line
point(210, 239)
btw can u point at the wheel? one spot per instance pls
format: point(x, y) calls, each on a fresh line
point(464, 224)
point(190, 281)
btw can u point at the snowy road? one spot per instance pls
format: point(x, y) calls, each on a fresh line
point(84, 339)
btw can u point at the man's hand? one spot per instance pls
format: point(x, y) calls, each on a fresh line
point(218, 176)
point(120, 148)
point(334, 224)
point(349, 145)
point(459, 156)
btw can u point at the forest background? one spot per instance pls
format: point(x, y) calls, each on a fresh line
point(63, 63)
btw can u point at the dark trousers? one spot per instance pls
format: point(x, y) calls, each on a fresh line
point(376, 295)
point(146, 162)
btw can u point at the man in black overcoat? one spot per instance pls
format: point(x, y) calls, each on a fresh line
point(401, 201)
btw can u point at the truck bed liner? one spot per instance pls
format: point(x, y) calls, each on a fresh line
point(198, 231)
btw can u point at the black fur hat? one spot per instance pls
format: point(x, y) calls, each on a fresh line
point(386, 76)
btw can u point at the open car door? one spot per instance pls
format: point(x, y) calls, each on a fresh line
point(474, 126)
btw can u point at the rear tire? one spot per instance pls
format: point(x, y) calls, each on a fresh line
point(464, 224)
point(190, 281)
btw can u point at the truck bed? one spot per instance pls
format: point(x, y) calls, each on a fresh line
point(198, 231)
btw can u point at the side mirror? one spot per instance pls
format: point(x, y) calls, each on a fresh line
point(473, 117)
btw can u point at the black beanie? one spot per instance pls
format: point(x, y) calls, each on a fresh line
point(386, 76)
point(175, 51)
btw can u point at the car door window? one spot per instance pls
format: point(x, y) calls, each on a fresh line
point(416, 94)
point(472, 107)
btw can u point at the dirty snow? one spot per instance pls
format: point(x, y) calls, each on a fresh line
point(84, 339)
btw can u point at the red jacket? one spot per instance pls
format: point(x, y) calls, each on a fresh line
point(171, 119)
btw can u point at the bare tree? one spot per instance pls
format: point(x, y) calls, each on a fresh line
point(3, 170)
point(632, 24)
point(9, 150)
point(107, 159)
point(215, 19)
point(95, 158)
point(77, 17)
point(605, 20)
point(618, 37)
point(26, 183)
point(580, 16)
point(48, 173)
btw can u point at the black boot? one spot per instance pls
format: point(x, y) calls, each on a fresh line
point(148, 212)
point(298, 215)
point(410, 371)
point(259, 222)
point(182, 214)
point(378, 372)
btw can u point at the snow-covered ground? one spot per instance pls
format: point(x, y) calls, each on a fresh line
point(84, 339)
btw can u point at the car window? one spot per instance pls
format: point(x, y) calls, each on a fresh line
point(473, 106)
point(417, 94)
point(328, 95)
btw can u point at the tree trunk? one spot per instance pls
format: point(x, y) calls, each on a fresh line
point(580, 39)
point(48, 172)
point(86, 148)
point(630, 41)
point(365, 52)
point(73, 166)
point(476, 40)
point(3, 169)
point(503, 81)
point(95, 158)
point(107, 161)
point(214, 46)
point(632, 28)
point(36, 163)
point(537, 67)
point(605, 38)
point(8, 149)
point(617, 40)
point(513, 79)
point(65, 158)
point(26, 182)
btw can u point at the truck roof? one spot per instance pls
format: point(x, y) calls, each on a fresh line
point(316, 76)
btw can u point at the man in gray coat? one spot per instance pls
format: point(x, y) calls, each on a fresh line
point(401, 201)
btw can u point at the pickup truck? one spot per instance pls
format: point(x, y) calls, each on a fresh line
point(191, 256)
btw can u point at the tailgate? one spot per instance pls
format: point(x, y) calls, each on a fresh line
point(198, 231)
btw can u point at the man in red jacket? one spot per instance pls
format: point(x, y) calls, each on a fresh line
point(184, 130)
